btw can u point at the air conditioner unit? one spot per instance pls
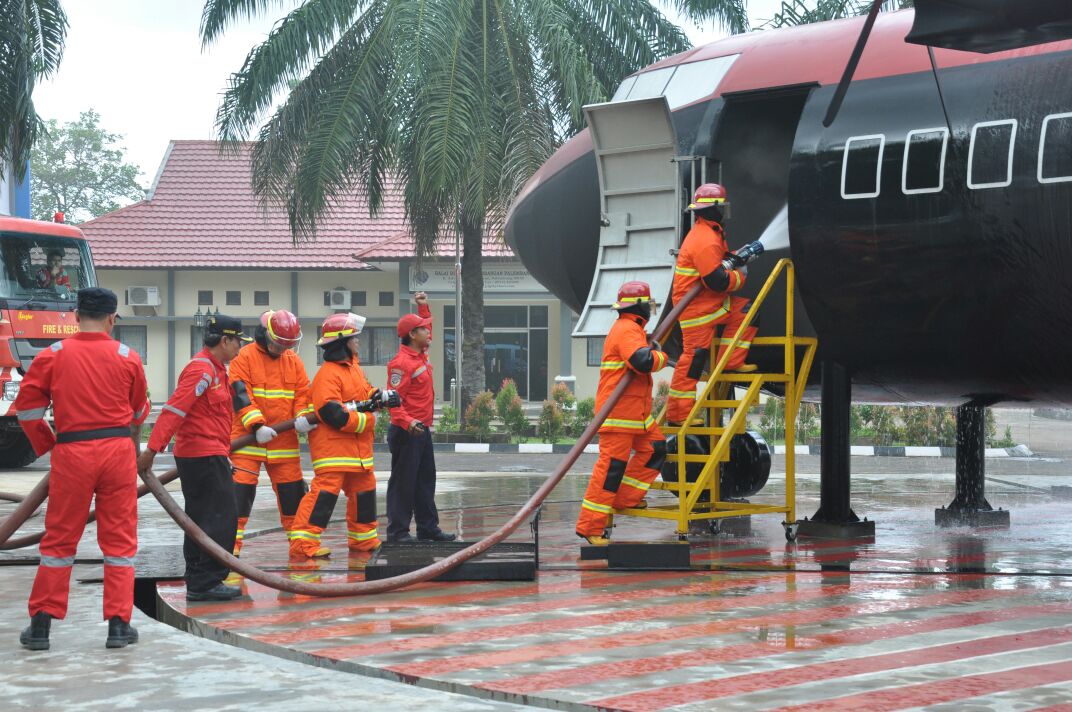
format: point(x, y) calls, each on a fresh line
point(340, 298)
point(143, 296)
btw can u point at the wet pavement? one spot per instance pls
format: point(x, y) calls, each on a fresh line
point(917, 617)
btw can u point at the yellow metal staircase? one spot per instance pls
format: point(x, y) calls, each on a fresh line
point(720, 413)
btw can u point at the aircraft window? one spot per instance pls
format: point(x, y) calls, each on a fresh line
point(861, 166)
point(624, 88)
point(990, 154)
point(1055, 149)
point(923, 170)
point(696, 80)
point(650, 84)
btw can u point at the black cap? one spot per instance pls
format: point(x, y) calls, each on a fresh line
point(97, 299)
point(225, 326)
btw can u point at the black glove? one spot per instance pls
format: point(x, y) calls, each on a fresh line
point(391, 399)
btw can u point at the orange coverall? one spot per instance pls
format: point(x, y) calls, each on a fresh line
point(341, 448)
point(619, 481)
point(277, 389)
point(700, 260)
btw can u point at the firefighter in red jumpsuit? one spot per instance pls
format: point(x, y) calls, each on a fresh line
point(270, 386)
point(199, 415)
point(700, 259)
point(631, 446)
point(96, 386)
point(411, 488)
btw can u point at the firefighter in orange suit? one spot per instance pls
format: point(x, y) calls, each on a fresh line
point(701, 260)
point(631, 446)
point(341, 447)
point(270, 386)
point(96, 386)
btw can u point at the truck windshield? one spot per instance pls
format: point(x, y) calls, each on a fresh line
point(38, 269)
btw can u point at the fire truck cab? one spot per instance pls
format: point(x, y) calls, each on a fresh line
point(42, 267)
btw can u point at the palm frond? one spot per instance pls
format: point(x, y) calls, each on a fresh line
point(732, 15)
point(217, 15)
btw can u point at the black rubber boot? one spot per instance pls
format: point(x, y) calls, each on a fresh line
point(35, 636)
point(219, 592)
point(438, 535)
point(120, 633)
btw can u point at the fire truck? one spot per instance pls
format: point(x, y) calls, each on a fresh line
point(42, 267)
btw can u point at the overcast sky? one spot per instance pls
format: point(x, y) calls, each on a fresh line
point(139, 64)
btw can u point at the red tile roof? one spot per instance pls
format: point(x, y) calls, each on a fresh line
point(202, 213)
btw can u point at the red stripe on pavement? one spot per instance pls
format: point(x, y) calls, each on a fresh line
point(960, 688)
point(577, 677)
point(619, 640)
point(675, 695)
point(447, 617)
point(577, 583)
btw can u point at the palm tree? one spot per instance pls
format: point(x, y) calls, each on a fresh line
point(455, 102)
point(32, 33)
point(805, 12)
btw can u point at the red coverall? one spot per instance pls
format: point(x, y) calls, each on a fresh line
point(94, 383)
point(619, 481)
point(699, 260)
point(278, 390)
point(341, 449)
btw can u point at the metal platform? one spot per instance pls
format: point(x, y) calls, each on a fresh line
point(502, 562)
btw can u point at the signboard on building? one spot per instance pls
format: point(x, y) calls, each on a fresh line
point(498, 277)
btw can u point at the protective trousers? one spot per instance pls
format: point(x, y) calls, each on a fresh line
point(699, 335)
point(208, 490)
point(287, 482)
point(80, 470)
point(411, 489)
point(628, 463)
point(316, 508)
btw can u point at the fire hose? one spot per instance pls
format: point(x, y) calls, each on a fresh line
point(281, 583)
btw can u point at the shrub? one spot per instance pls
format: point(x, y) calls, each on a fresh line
point(479, 414)
point(662, 394)
point(549, 427)
point(563, 397)
point(448, 422)
point(582, 416)
point(505, 396)
point(383, 421)
point(772, 422)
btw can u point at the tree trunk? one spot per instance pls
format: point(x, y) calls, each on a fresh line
point(472, 379)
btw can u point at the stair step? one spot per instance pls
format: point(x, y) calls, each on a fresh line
point(694, 430)
point(720, 403)
point(753, 377)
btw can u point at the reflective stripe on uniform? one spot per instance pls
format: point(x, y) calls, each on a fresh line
point(272, 393)
point(361, 536)
point(683, 394)
point(419, 371)
point(365, 462)
point(252, 451)
point(632, 482)
point(634, 424)
point(687, 271)
point(303, 535)
point(740, 344)
point(58, 562)
point(307, 410)
point(596, 507)
point(118, 560)
point(174, 410)
point(283, 454)
point(240, 534)
point(611, 365)
point(707, 318)
point(362, 421)
point(32, 414)
point(251, 416)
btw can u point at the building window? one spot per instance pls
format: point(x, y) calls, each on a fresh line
point(358, 298)
point(1055, 149)
point(197, 335)
point(204, 297)
point(234, 298)
point(515, 347)
point(861, 167)
point(923, 170)
point(136, 337)
point(260, 299)
point(377, 345)
point(387, 299)
point(990, 154)
point(595, 350)
point(327, 299)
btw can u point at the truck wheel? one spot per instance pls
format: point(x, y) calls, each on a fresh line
point(15, 450)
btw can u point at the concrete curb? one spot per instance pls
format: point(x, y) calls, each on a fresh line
point(857, 450)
